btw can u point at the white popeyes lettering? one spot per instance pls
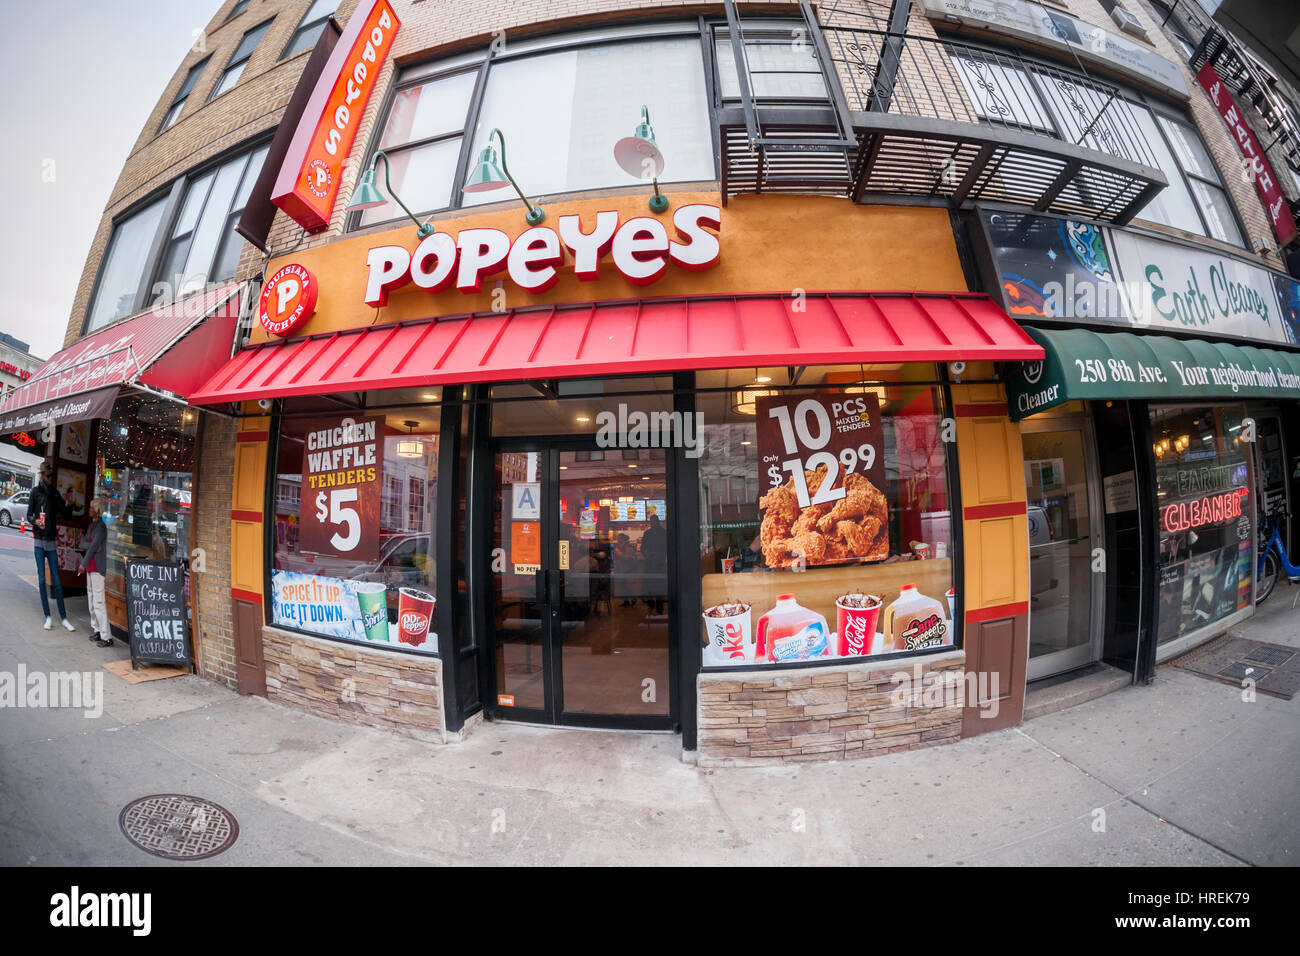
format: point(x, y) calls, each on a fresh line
point(440, 250)
point(641, 251)
point(533, 258)
point(482, 253)
point(588, 247)
point(389, 267)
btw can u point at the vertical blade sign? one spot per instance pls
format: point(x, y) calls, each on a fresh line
point(309, 179)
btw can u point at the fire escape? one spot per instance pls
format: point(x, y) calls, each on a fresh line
point(916, 118)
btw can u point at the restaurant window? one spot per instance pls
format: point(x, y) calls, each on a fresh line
point(1203, 502)
point(355, 546)
point(239, 60)
point(825, 521)
point(144, 469)
point(310, 27)
point(203, 246)
point(578, 100)
point(118, 290)
point(174, 111)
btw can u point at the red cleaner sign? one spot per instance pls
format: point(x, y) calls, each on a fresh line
point(1278, 211)
point(309, 179)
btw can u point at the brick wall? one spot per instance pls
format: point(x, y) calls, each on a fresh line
point(354, 683)
point(214, 636)
point(828, 713)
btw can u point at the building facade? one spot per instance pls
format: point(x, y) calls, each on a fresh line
point(805, 382)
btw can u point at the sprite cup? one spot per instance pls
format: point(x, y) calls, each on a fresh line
point(372, 598)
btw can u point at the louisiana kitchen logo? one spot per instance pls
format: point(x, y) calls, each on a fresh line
point(640, 250)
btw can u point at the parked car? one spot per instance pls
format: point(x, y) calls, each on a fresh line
point(13, 509)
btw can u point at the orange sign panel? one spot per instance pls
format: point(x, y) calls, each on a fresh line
point(313, 167)
point(526, 546)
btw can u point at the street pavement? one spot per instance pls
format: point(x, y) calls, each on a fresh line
point(1181, 772)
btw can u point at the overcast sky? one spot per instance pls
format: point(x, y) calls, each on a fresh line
point(81, 78)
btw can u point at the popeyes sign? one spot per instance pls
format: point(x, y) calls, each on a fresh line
point(309, 180)
point(288, 299)
point(640, 249)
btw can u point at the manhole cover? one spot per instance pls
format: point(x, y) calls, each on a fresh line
point(178, 827)
point(1268, 655)
point(1240, 670)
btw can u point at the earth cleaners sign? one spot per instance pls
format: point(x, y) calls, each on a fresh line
point(1085, 365)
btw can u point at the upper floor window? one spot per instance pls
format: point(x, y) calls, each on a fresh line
point(191, 77)
point(177, 243)
point(561, 104)
point(236, 10)
point(203, 246)
point(782, 64)
point(310, 27)
point(239, 59)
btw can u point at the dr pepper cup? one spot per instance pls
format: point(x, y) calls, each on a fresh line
point(414, 615)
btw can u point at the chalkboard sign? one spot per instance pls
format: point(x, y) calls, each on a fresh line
point(156, 617)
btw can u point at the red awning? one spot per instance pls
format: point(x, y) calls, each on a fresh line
point(174, 348)
point(624, 338)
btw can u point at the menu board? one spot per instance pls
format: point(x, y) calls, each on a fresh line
point(156, 612)
point(627, 511)
point(342, 487)
point(823, 479)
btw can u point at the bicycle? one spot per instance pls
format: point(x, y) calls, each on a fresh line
point(1273, 559)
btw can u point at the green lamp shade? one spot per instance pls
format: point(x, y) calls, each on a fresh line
point(367, 194)
point(486, 174)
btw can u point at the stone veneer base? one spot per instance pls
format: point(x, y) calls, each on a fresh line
point(356, 684)
point(838, 712)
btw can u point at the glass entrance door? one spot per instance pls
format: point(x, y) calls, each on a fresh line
point(1065, 596)
point(580, 586)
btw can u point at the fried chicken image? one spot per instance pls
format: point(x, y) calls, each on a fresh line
point(853, 528)
point(862, 499)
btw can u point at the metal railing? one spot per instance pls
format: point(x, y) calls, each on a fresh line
point(948, 80)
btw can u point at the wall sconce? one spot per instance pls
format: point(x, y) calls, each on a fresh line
point(487, 175)
point(368, 196)
point(639, 154)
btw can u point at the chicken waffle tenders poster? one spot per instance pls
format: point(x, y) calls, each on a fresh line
point(822, 472)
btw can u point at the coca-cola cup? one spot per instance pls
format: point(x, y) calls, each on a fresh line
point(727, 629)
point(414, 612)
point(855, 623)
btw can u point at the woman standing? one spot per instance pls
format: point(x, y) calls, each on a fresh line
point(44, 508)
point(94, 564)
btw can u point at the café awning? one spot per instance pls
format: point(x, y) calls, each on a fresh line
point(646, 336)
point(1081, 364)
point(173, 348)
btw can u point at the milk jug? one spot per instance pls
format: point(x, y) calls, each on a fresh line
point(914, 621)
point(790, 632)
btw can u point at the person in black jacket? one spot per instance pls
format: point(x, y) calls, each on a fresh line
point(44, 508)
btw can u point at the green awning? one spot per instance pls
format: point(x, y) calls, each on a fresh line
point(1082, 364)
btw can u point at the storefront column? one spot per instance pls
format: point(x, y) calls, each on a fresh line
point(995, 540)
point(247, 544)
point(687, 606)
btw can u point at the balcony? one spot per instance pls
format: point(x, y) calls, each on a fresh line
point(925, 119)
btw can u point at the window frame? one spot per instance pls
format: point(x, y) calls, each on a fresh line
point(183, 94)
point(303, 26)
point(239, 7)
point(265, 27)
point(172, 194)
point(482, 59)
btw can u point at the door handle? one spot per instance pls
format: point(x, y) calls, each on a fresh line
point(540, 577)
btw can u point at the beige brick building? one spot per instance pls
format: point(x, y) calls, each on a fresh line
point(938, 157)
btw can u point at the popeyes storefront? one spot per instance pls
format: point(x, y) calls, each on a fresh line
point(621, 471)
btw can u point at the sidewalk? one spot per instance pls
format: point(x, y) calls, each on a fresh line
point(1186, 773)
